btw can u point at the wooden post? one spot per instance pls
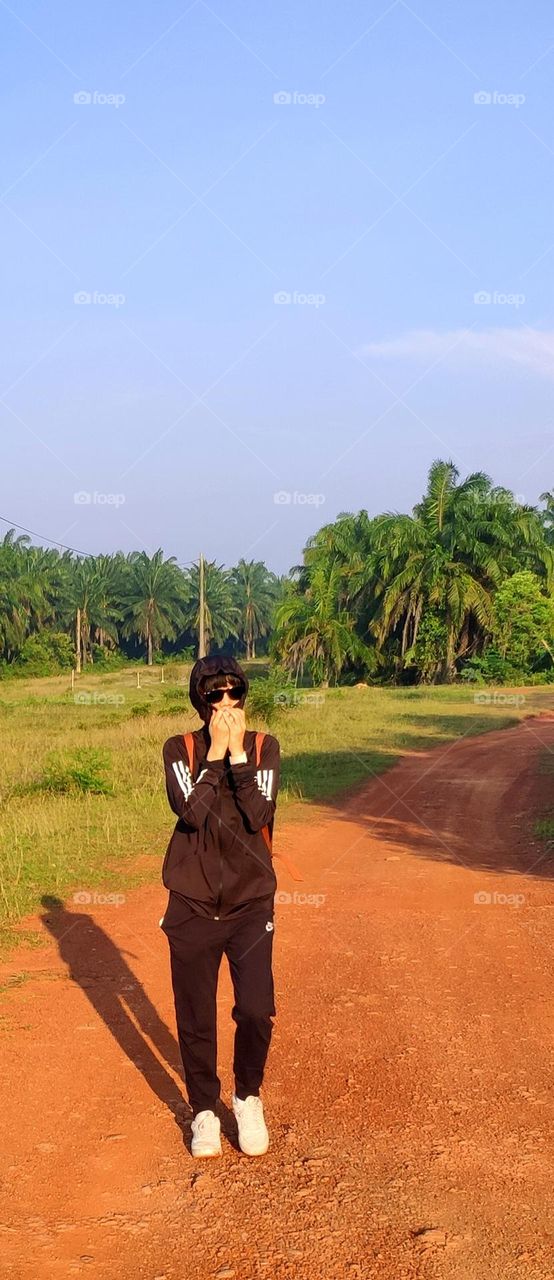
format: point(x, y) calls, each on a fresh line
point(138, 679)
point(162, 681)
point(72, 679)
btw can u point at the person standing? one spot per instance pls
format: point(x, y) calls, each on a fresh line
point(219, 874)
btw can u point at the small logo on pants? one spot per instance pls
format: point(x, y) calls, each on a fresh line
point(269, 926)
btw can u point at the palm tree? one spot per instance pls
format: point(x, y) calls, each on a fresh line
point(24, 599)
point(313, 628)
point(108, 575)
point(82, 600)
point(154, 598)
point(221, 615)
point(346, 544)
point(254, 593)
point(449, 557)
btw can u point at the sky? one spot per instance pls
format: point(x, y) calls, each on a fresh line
point(264, 264)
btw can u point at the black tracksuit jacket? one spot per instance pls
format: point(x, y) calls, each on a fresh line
point(217, 858)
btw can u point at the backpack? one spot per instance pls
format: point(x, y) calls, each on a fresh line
point(189, 747)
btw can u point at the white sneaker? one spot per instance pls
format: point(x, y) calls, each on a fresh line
point(206, 1129)
point(253, 1135)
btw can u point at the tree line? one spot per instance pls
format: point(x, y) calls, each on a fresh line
point(60, 608)
point(461, 586)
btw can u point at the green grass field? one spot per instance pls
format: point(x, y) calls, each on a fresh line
point(107, 735)
point(544, 826)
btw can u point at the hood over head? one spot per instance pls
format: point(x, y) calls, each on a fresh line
point(212, 666)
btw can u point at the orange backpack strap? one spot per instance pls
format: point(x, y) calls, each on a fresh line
point(259, 743)
point(189, 748)
point(292, 870)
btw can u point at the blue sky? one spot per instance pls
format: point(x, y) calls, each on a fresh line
point(254, 251)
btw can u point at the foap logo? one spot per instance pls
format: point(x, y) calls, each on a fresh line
point(497, 299)
point(269, 926)
point(98, 99)
point(284, 98)
point(484, 899)
point(84, 898)
point(297, 299)
point(97, 299)
point(98, 699)
point(300, 899)
point(484, 98)
point(293, 698)
point(284, 498)
point(505, 497)
point(499, 699)
point(83, 499)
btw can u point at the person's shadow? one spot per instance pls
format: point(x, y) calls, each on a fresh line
point(97, 965)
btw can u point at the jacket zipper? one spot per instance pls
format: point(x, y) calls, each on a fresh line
point(218, 903)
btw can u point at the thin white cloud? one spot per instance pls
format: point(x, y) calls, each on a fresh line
point(530, 349)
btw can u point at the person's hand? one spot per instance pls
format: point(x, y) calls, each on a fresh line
point(219, 734)
point(237, 725)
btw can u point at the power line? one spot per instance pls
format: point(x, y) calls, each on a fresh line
point(88, 554)
point(42, 538)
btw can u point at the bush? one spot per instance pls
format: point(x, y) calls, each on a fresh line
point(428, 652)
point(82, 770)
point(45, 655)
point(523, 629)
point(492, 668)
point(108, 659)
point(268, 697)
point(186, 655)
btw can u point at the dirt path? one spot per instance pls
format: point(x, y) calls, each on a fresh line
point(409, 1085)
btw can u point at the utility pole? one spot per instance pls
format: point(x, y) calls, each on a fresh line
point(201, 640)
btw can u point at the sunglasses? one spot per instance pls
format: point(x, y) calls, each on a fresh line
point(216, 695)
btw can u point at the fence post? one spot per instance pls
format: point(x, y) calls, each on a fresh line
point(138, 679)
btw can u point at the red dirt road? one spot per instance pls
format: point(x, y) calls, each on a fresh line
point(409, 1085)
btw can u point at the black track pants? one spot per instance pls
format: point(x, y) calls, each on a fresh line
point(197, 944)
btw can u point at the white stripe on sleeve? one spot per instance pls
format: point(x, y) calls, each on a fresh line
point(180, 776)
point(265, 782)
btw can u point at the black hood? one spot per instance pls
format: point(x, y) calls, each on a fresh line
point(217, 662)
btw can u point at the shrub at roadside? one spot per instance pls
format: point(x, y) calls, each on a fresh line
point(268, 697)
point(84, 770)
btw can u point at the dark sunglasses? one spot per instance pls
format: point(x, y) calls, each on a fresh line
point(216, 695)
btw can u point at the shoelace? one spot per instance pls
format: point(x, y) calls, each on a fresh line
point(253, 1111)
point(207, 1121)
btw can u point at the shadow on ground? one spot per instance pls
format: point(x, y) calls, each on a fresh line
point(100, 968)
